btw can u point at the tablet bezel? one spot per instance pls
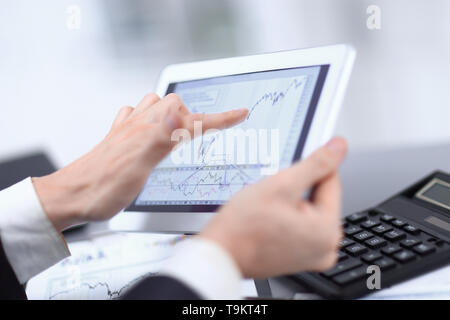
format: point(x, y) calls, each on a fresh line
point(323, 71)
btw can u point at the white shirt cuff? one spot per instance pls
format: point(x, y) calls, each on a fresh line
point(206, 268)
point(30, 241)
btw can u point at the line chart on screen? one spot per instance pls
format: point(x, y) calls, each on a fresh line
point(219, 164)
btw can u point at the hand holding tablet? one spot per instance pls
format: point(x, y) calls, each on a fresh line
point(269, 230)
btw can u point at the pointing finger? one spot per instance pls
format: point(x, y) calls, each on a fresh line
point(216, 120)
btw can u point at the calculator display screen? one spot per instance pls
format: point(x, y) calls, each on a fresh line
point(436, 192)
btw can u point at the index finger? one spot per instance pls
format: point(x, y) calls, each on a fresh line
point(216, 120)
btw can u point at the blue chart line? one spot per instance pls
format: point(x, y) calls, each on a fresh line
point(203, 181)
point(275, 96)
point(204, 148)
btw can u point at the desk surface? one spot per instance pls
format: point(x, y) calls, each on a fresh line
point(367, 179)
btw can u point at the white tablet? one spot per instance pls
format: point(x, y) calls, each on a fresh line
point(293, 99)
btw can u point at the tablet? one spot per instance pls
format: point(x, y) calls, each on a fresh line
point(293, 98)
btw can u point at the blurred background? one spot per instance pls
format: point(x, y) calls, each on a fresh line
point(62, 86)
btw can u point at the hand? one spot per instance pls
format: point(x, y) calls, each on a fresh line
point(109, 177)
point(270, 230)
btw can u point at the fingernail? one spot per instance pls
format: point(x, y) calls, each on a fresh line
point(241, 111)
point(241, 114)
point(336, 146)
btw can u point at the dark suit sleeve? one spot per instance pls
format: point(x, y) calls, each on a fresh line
point(161, 288)
point(10, 287)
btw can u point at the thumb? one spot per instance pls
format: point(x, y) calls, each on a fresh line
point(308, 172)
point(320, 163)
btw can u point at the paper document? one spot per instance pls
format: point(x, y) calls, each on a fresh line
point(106, 266)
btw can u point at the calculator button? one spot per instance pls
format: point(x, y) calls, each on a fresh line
point(346, 242)
point(387, 218)
point(390, 249)
point(350, 276)
point(352, 230)
point(394, 235)
point(371, 257)
point(356, 250)
point(424, 249)
point(363, 236)
point(404, 256)
point(409, 243)
point(375, 243)
point(341, 267)
point(369, 223)
point(342, 256)
point(356, 218)
point(373, 213)
point(382, 228)
point(412, 230)
point(398, 223)
point(385, 263)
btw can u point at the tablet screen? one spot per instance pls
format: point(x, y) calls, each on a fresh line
point(204, 173)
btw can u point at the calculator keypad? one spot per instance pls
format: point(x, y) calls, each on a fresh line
point(374, 238)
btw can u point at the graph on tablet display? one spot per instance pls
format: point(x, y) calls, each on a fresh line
point(213, 167)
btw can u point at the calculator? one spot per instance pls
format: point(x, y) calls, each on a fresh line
point(405, 236)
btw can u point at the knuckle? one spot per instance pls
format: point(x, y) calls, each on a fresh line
point(176, 107)
point(126, 108)
point(173, 99)
point(151, 97)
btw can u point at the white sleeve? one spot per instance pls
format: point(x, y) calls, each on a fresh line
point(30, 241)
point(206, 268)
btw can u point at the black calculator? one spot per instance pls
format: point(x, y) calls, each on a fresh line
point(405, 236)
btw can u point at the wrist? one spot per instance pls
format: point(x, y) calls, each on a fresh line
point(59, 200)
point(206, 267)
point(238, 249)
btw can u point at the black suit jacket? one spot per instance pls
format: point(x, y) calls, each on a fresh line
point(155, 287)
